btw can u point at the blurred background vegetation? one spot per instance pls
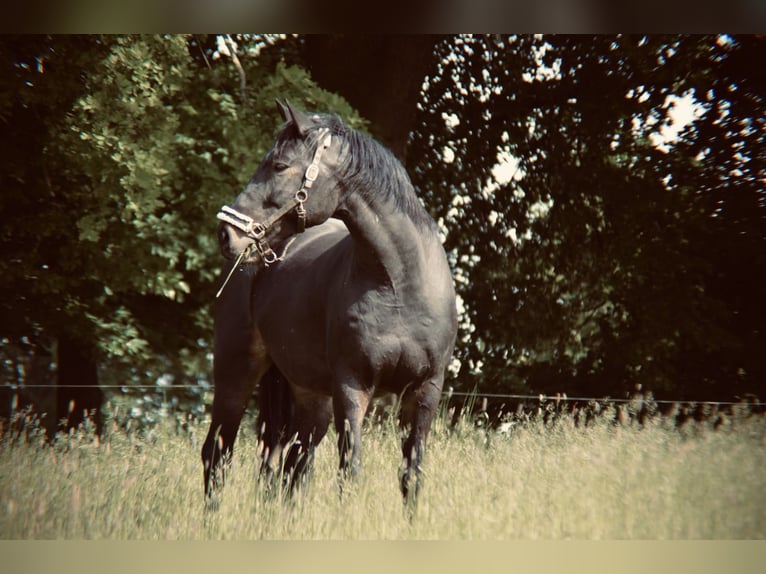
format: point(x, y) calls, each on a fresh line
point(597, 241)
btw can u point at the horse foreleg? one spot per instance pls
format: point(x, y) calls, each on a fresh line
point(350, 405)
point(417, 413)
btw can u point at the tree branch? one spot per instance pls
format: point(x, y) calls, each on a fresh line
point(238, 65)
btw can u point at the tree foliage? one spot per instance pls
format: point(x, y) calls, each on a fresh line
point(589, 255)
point(607, 259)
point(121, 149)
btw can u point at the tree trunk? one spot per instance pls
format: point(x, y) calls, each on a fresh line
point(379, 75)
point(77, 380)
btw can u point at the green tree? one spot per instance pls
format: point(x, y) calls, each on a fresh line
point(599, 260)
point(128, 147)
point(595, 267)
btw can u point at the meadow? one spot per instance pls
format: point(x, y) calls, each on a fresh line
point(532, 482)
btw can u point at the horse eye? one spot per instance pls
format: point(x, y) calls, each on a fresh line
point(280, 166)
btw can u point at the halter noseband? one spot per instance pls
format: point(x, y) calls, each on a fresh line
point(257, 231)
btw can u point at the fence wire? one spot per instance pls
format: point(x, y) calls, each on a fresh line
point(448, 393)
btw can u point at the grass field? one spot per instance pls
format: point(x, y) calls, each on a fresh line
point(536, 482)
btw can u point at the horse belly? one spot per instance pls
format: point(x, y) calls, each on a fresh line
point(298, 348)
point(290, 307)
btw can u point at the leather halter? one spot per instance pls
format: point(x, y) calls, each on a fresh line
point(257, 231)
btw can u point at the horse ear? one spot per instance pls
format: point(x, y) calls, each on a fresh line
point(283, 110)
point(301, 120)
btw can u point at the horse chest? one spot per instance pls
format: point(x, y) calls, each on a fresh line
point(380, 336)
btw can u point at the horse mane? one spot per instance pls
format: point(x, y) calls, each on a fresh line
point(369, 168)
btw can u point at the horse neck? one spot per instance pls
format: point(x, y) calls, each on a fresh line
point(389, 244)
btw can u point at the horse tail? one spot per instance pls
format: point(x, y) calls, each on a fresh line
point(275, 410)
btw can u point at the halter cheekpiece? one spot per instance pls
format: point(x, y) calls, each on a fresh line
point(257, 231)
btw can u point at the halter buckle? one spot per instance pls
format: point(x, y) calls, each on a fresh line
point(312, 172)
point(269, 257)
point(257, 231)
point(300, 211)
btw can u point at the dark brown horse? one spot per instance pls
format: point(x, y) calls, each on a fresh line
point(360, 303)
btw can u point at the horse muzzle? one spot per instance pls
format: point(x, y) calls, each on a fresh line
point(232, 241)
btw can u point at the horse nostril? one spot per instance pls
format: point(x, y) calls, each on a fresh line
point(223, 237)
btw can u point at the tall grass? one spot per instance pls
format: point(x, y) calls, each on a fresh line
point(537, 482)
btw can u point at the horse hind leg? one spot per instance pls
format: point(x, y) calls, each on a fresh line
point(233, 390)
point(311, 419)
point(236, 375)
point(219, 444)
point(240, 360)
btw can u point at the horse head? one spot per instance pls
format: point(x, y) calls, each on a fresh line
point(295, 186)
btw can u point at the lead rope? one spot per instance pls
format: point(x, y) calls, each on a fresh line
point(257, 231)
point(240, 257)
point(245, 252)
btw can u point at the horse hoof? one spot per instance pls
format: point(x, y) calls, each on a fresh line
point(212, 504)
